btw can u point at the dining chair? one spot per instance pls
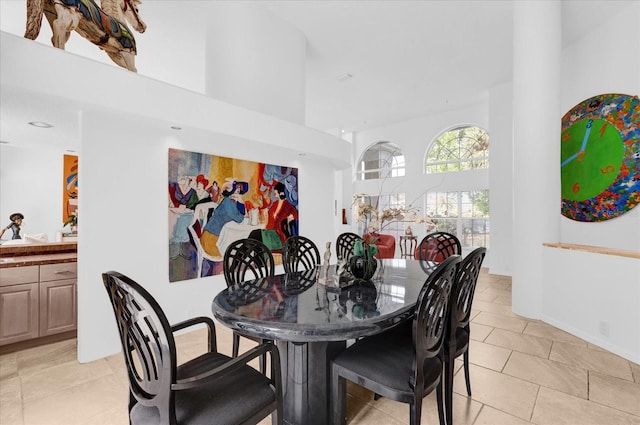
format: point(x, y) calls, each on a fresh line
point(247, 259)
point(344, 245)
point(458, 329)
point(437, 246)
point(299, 253)
point(400, 365)
point(201, 216)
point(206, 389)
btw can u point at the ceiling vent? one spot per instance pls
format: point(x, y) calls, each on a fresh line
point(344, 77)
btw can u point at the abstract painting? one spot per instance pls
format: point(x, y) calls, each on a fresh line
point(69, 187)
point(215, 200)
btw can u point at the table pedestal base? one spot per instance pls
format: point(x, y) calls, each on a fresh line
point(306, 375)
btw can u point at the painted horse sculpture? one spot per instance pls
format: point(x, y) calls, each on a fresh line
point(104, 27)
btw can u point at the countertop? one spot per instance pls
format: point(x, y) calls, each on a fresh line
point(37, 254)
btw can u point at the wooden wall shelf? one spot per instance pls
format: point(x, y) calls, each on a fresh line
point(595, 249)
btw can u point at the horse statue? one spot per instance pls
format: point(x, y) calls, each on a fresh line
point(104, 27)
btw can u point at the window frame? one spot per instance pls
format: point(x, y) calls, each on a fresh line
point(384, 170)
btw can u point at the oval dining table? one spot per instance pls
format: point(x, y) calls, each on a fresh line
point(311, 322)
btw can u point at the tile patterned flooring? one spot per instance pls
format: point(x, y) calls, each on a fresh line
point(522, 372)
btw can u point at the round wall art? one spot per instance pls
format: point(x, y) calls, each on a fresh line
point(600, 157)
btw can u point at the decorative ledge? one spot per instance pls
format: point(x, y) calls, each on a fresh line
point(595, 249)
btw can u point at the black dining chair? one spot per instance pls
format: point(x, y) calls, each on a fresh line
point(400, 365)
point(299, 253)
point(207, 389)
point(247, 259)
point(344, 245)
point(458, 329)
point(437, 246)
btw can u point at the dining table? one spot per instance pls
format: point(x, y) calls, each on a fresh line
point(311, 316)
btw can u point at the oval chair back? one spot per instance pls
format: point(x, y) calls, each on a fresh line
point(147, 344)
point(247, 259)
point(437, 247)
point(344, 245)
point(299, 253)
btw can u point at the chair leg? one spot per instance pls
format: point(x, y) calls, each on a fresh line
point(276, 418)
point(448, 388)
point(441, 407)
point(263, 364)
point(466, 372)
point(338, 398)
point(236, 345)
point(415, 411)
point(132, 402)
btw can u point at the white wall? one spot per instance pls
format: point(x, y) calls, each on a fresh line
point(597, 296)
point(255, 59)
point(501, 178)
point(31, 183)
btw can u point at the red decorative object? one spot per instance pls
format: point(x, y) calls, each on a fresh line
point(386, 244)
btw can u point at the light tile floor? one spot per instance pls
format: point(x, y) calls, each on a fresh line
point(522, 372)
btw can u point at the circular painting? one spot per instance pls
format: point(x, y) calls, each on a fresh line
point(600, 157)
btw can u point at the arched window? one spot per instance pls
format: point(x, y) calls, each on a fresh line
point(465, 213)
point(462, 148)
point(380, 161)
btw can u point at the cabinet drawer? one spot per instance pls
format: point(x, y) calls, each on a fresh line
point(18, 275)
point(59, 271)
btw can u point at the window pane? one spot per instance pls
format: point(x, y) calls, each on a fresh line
point(464, 214)
point(463, 148)
point(381, 161)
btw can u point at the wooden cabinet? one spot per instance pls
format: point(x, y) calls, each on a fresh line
point(37, 300)
point(58, 300)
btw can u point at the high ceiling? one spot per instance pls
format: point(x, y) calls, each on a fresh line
point(405, 58)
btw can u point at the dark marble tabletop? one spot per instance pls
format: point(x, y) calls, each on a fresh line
point(295, 307)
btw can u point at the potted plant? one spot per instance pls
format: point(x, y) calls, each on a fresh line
point(363, 265)
point(72, 221)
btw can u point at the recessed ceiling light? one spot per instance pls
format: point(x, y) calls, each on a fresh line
point(40, 124)
point(176, 127)
point(344, 77)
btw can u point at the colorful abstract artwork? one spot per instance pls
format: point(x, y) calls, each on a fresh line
point(600, 158)
point(69, 187)
point(215, 200)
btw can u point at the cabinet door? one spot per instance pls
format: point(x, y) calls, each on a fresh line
point(58, 306)
point(18, 312)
